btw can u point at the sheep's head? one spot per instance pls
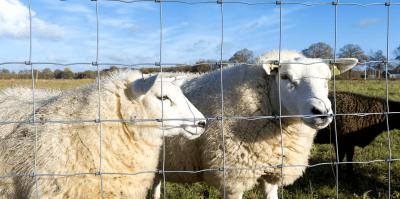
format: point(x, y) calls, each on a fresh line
point(181, 117)
point(304, 87)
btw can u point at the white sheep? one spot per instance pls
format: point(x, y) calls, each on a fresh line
point(18, 102)
point(70, 152)
point(253, 147)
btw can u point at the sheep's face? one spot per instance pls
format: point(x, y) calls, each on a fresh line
point(180, 116)
point(304, 90)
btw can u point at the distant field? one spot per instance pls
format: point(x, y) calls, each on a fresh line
point(370, 181)
point(50, 84)
point(369, 87)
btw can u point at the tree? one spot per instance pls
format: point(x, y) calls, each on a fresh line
point(352, 51)
point(397, 56)
point(5, 74)
point(88, 74)
point(397, 53)
point(243, 56)
point(318, 50)
point(379, 66)
point(47, 73)
point(68, 74)
point(58, 74)
point(25, 74)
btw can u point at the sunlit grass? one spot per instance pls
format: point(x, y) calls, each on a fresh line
point(48, 84)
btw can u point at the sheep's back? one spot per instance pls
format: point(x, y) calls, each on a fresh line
point(356, 103)
point(16, 105)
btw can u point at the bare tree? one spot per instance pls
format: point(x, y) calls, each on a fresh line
point(352, 51)
point(397, 53)
point(379, 66)
point(318, 50)
point(242, 56)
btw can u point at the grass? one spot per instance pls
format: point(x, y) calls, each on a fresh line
point(47, 84)
point(370, 87)
point(369, 181)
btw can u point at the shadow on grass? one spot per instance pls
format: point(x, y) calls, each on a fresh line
point(367, 181)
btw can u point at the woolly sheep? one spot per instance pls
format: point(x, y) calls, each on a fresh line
point(251, 90)
point(18, 102)
point(354, 130)
point(72, 149)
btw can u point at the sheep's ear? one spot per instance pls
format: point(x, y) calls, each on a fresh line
point(269, 68)
point(141, 86)
point(344, 64)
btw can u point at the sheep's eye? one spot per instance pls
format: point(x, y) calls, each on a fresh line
point(163, 98)
point(287, 77)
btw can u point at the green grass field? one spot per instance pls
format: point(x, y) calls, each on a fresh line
point(370, 181)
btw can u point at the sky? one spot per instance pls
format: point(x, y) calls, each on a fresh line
point(129, 33)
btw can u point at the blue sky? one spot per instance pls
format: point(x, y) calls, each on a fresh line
point(65, 31)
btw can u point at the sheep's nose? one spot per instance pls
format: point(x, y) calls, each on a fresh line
point(317, 111)
point(201, 124)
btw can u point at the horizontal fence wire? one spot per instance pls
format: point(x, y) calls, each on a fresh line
point(136, 65)
point(217, 118)
point(99, 121)
point(202, 170)
point(264, 3)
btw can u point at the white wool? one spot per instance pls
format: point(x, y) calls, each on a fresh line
point(250, 144)
point(16, 104)
point(73, 148)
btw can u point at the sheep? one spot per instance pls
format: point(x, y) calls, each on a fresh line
point(252, 90)
point(70, 152)
point(354, 130)
point(18, 102)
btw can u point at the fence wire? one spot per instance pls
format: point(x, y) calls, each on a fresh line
point(222, 118)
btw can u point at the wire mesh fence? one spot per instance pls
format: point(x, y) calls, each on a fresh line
point(222, 118)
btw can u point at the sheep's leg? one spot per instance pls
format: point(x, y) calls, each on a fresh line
point(236, 195)
point(270, 190)
point(156, 190)
point(349, 157)
point(342, 152)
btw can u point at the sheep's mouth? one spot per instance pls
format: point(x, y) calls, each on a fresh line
point(192, 131)
point(318, 123)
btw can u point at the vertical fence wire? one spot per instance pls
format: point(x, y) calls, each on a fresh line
point(387, 4)
point(29, 62)
point(335, 4)
point(162, 102)
point(279, 3)
point(221, 3)
point(99, 123)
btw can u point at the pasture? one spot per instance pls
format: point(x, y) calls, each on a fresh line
point(369, 181)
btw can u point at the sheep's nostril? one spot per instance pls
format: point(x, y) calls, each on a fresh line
point(318, 112)
point(201, 124)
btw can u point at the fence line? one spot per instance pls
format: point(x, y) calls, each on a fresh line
point(136, 65)
point(218, 118)
point(99, 121)
point(387, 98)
point(219, 169)
point(220, 2)
point(335, 4)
